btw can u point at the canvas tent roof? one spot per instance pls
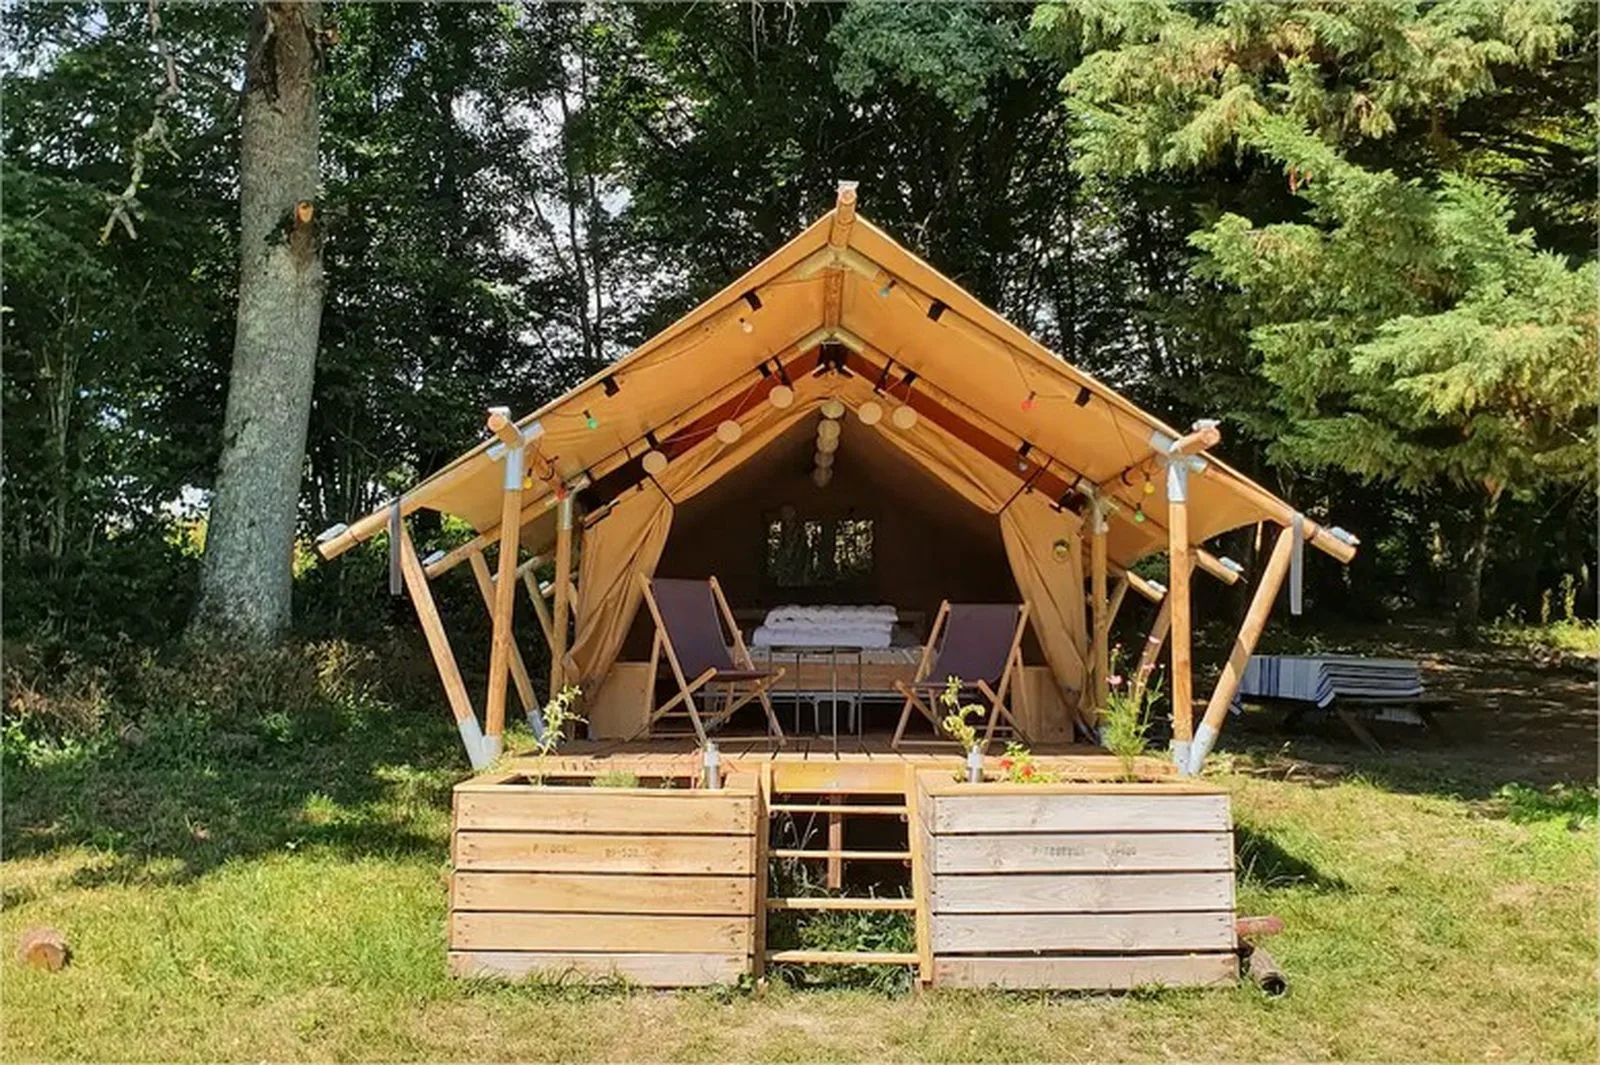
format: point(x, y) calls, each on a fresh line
point(843, 293)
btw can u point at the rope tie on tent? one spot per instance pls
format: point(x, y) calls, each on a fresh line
point(1297, 566)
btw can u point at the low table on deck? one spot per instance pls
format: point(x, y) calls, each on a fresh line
point(831, 655)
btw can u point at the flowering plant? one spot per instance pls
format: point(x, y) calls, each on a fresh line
point(1125, 718)
point(1019, 766)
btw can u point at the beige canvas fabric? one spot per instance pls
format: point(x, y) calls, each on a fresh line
point(845, 284)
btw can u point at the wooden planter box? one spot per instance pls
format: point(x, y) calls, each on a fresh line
point(655, 886)
point(1089, 886)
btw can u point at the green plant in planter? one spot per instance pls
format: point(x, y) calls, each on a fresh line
point(616, 778)
point(1020, 767)
point(955, 722)
point(558, 714)
point(1126, 716)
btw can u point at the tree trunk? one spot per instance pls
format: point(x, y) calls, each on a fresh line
point(1469, 597)
point(246, 577)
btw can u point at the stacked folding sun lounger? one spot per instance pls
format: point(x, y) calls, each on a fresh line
point(1323, 678)
point(827, 626)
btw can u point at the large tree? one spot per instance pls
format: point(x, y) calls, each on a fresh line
point(247, 575)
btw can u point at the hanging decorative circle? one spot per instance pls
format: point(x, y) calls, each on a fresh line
point(903, 417)
point(1061, 550)
point(832, 408)
point(655, 462)
point(729, 432)
point(829, 444)
point(781, 396)
point(870, 413)
point(821, 476)
point(828, 430)
point(823, 458)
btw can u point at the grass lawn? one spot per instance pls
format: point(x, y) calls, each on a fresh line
point(286, 900)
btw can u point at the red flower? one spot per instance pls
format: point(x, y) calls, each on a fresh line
point(1005, 763)
point(1027, 770)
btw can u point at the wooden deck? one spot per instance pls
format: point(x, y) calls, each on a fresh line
point(811, 763)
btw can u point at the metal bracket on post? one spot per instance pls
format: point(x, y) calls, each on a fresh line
point(711, 760)
point(974, 765)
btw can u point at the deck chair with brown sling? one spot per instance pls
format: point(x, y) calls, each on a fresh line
point(979, 643)
point(689, 617)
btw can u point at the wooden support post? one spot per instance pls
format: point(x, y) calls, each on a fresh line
point(505, 601)
point(541, 609)
point(1101, 665)
point(1119, 592)
point(835, 844)
point(1244, 645)
point(444, 659)
point(519, 668)
point(563, 604)
point(1180, 556)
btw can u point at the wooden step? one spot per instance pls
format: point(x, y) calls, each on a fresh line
point(839, 957)
point(825, 808)
point(853, 856)
point(840, 903)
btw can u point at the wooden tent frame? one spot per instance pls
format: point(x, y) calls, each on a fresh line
point(687, 689)
point(995, 697)
point(515, 443)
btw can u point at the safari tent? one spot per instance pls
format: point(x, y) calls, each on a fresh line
point(840, 430)
point(845, 403)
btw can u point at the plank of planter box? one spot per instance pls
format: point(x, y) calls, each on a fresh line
point(603, 893)
point(606, 810)
point(1105, 973)
point(1129, 932)
point(555, 852)
point(1080, 813)
point(1062, 852)
point(1082, 892)
point(599, 932)
point(646, 970)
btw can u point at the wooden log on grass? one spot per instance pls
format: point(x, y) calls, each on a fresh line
point(43, 948)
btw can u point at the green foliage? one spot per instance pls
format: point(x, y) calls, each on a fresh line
point(955, 721)
point(616, 778)
point(1125, 719)
point(557, 718)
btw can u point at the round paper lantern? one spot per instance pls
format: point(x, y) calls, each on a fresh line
point(729, 432)
point(827, 430)
point(870, 413)
point(821, 476)
point(903, 417)
point(828, 445)
point(823, 458)
point(654, 462)
point(781, 396)
point(832, 408)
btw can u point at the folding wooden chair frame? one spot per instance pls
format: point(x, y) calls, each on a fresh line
point(688, 688)
point(995, 697)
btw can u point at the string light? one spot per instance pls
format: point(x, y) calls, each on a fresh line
point(1149, 489)
point(744, 323)
point(590, 420)
point(888, 287)
point(1138, 514)
point(1029, 403)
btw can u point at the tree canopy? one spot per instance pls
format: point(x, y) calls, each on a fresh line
point(1362, 233)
